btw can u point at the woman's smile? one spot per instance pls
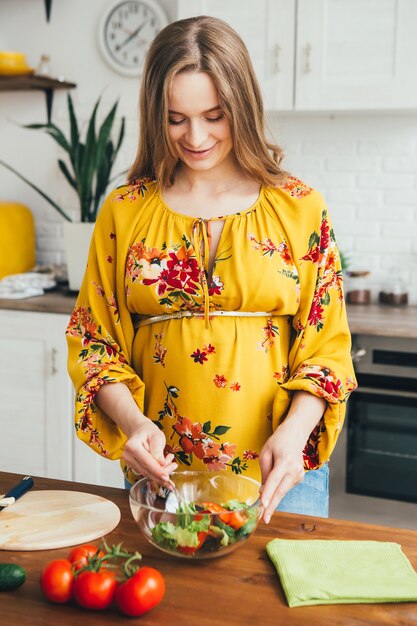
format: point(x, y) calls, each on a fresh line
point(198, 154)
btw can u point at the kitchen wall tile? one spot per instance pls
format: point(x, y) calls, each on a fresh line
point(52, 244)
point(407, 197)
point(47, 229)
point(396, 261)
point(385, 181)
point(44, 257)
point(342, 213)
point(386, 245)
point(386, 213)
point(400, 164)
point(359, 227)
point(360, 197)
point(381, 147)
point(328, 148)
point(351, 164)
point(397, 229)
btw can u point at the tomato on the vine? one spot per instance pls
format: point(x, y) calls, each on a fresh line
point(141, 592)
point(95, 590)
point(56, 581)
point(79, 556)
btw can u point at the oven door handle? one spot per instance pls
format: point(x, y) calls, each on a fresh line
point(386, 392)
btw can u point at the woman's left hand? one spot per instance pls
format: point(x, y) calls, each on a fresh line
point(281, 458)
point(281, 462)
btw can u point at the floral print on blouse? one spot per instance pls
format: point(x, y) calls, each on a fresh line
point(217, 386)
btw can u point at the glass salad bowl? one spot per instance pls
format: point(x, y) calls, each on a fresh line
point(209, 514)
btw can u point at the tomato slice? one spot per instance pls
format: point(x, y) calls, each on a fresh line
point(234, 519)
point(192, 549)
point(213, 507)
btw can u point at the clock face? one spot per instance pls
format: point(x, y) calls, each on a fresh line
point(126, 31)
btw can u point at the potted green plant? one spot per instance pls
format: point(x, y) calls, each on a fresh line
point(88, 172)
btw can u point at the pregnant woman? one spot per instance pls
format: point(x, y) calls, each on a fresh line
point(210, 331)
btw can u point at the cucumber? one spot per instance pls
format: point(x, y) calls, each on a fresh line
point(11, 576)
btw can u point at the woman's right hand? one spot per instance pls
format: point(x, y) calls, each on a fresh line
point(144, 452)
point(144, 448)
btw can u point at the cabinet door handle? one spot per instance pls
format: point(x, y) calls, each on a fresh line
point(277, 52)
point(307, 65)
point(358, 354)
point(54, 369)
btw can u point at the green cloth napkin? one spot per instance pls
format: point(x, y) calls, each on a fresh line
point(342, 572)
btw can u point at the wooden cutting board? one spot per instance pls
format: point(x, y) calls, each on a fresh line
point(42, 520)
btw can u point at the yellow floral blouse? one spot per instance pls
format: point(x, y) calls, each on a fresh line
point(216, 385)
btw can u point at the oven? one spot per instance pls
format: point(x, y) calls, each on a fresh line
point(382, 419)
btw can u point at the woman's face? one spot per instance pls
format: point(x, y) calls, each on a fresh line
point(197, 125)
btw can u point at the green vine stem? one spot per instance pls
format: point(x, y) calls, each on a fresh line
point(128, 568)
point(111, 553)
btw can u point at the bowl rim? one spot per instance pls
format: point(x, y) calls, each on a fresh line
point(188, 473)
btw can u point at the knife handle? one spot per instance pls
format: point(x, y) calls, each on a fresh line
point(21, 488)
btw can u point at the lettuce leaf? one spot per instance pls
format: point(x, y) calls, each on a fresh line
point(234, 505)
point(173, 535)
point(218, 532)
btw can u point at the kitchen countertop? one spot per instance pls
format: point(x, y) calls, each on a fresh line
point(59, 301)
point(371, 319)
point(383, 320)
point(240, 589)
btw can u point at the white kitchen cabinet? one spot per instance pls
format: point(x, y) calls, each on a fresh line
point(267, 28)
point(35, 395)
point(37, 403)
point(325, 55)
point(90, 467)
point(356, 54)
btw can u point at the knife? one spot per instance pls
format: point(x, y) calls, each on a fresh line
point(15, 492)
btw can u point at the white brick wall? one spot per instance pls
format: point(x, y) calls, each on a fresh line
point(365, 165)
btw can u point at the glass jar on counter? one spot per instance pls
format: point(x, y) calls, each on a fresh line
point(357, 287)
point(394, 291)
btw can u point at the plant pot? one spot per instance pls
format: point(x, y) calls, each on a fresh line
point(77, 237)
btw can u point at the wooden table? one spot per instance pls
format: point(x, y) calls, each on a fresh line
point(239, 589)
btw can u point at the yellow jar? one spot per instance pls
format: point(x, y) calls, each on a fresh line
point(17, 239)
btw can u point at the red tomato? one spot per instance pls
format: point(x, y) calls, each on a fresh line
point(79, 555)
point(234, 519)
point(95, 590)
point(57, 580)
point(212, 507)
point(141, 592)
point(191, 549)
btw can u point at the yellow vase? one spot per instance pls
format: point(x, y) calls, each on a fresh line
point(17, 239)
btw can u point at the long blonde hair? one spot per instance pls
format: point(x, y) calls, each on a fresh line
point(203, 44)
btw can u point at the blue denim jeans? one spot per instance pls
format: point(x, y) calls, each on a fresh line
point(310, 497)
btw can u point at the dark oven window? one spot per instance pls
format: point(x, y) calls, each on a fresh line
point(382, 440)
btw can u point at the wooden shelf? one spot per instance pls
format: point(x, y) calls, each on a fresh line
point(31, 82)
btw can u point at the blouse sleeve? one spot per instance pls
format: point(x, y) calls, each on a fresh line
point(319, 358)
point(100, 335)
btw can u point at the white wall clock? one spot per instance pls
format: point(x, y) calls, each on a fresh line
point(126, 31)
